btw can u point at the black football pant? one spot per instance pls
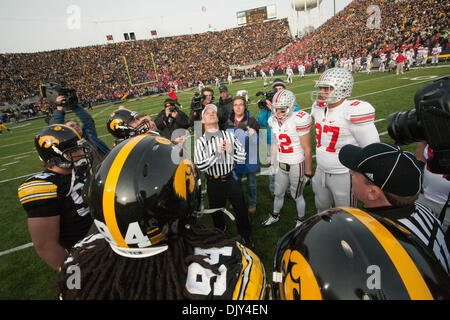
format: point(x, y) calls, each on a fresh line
point(219, 191)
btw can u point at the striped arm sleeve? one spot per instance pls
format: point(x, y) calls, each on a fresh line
point(36, 190)
point(239, 153)
point(362, 118)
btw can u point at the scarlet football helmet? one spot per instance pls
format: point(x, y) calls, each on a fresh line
point(139, 198)
point(348, 254)
point(59, 145)
point(281, 100)
point(339, 85)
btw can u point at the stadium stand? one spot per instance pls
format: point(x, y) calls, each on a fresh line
point(404, 24)
point(99, 74)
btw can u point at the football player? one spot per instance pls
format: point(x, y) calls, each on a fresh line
point(338, 122)
point(149, 245)
point(292, 147)
point(58, 216)
point(2, 126)
point(124, 123)
point(349, 254)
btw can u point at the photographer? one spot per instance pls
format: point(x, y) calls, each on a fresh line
point(265, 112)
point(170, 119)
point(98, 148)
point(429, 125)
point(199, 101)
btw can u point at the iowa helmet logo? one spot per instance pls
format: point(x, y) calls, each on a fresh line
point(48, 141)
point(115, 124)
point(184, 181)
point(300, 282)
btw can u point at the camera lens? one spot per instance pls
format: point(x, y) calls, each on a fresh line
point(404, 127)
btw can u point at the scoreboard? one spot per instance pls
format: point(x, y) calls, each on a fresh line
point(256, 15)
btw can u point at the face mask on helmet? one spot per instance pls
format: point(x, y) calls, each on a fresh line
point(348, 254)
point(142, 125)
point(140, 198)
point(333, 86)
point(118, 123)
point(284, 101)
point(79, 155)
point(62, 146)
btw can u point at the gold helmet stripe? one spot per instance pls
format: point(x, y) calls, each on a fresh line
point(251, 284)
point(66, 126)
point(109, 192)
point(410, 275)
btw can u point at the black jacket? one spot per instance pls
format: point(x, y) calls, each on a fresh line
point(167, 126)
point(224, 109)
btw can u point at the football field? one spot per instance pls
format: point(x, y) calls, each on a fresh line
point(23, 275)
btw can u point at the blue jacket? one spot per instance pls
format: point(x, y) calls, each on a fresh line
point(250, 143)
point(89, 131)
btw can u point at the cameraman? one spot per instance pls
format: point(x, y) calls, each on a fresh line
point(98, 148)
point(170, 119)
point(224, 107)
point(199, 101)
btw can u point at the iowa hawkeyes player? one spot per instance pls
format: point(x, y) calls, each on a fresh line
point(349, 254)
point(148, 245)
point(57, 214)
point(124, 123)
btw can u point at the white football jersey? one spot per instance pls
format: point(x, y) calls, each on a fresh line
point(287, 136)
point(350, 123)
point(435, 186)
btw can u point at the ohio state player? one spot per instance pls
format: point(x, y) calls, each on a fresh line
point(338, 122)
point(292, 148)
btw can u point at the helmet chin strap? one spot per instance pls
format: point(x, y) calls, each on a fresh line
point(209, 211)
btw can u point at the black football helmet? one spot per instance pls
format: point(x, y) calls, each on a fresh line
point(348, 254)
point(118, 124)
point(139, 198)
point(58, 144)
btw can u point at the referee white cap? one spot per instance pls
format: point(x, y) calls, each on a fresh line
point(208, 106)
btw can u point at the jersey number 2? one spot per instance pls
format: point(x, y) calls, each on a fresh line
point(285, 144)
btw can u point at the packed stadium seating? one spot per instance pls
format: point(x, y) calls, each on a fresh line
point(404, 23)
point(98, 72)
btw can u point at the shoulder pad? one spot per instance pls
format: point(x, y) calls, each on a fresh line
point(302, 120)
point(358, 112)
point(36, 189)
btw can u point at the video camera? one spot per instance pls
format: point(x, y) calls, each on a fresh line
point(429, 121)
point(52, 90)
point(197, 99)
point(262, 103)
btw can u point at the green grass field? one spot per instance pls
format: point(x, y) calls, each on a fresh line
point(23, 275)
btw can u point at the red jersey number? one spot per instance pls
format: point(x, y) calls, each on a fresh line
point(334, 138)
point(285, 144)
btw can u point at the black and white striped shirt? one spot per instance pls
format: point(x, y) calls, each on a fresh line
point(213, 162)
point(419, 220)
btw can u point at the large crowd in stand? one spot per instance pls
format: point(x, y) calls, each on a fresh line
point(99, 74)
point(404, 24)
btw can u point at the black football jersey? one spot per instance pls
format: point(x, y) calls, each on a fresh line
point(49, 194)
point(241, 272)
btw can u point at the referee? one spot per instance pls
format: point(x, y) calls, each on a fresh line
point(215, 154)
